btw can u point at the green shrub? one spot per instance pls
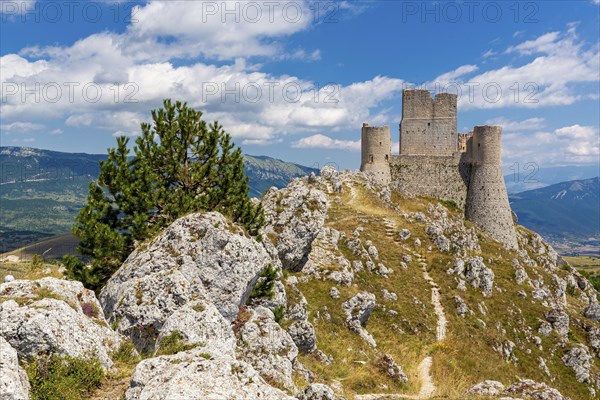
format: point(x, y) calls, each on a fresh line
point(64, 377)
point(126, 354)
point(264, 284)
point(173, 344)
point(279, 314)
point(450, 204)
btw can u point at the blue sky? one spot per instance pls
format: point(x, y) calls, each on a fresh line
point(76, 74)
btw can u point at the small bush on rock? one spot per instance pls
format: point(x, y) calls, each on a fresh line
point(264, 284)
point(173, 344)
point(66, 378)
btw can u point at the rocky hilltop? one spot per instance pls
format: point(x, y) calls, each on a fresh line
point(352, 291)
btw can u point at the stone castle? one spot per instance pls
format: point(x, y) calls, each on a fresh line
point(437, 161)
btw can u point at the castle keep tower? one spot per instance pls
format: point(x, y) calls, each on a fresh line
point(428, 124)
point(487, 200)
point(376, 151)
point(436, 161)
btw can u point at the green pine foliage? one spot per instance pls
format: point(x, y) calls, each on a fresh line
point(180, 164)
point(264, 284)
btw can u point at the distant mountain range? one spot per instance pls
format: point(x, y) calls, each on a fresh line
point(567, 214)
point(529, 176)
point(41, 191)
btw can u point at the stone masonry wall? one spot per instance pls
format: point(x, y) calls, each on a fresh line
point(428, 124)
point(440, 177)
point(376, 151)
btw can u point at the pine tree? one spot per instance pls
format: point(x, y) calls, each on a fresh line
point(180, 165)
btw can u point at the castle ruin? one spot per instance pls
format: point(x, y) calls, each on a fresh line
point(437, 161)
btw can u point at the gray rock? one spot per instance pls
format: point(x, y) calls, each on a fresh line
point(317, 391)
point(442, 243)
point(199, 256)
point(545, 328)
point(14, 384)
point(593, 311)
point(579, 359)
point(486, 388)
point(506, 350)
point(461, 306)
point(56, 316)
point(476, 273)
point(295, 214)
point(191, 375)
point(389, 367)
point(559, 319)
point(404, 234)
point(360, 307)
point(266, 346)
point(593, 335)
point(391, 296)
point(304, 336)
point(334, 293)
point(527, 388)
point(200, 323)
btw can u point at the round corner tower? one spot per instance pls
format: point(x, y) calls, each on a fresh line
point(487, 200)
point(376, 152)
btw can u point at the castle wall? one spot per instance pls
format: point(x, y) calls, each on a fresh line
point(487, 200)
point(441, 177)
point(376, 151)
point(428, 124)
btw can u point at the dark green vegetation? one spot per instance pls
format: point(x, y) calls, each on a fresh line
point(43, 191)
point(174, 344)
point(66, 378)
point(567, 214)
point(265, 283)
point(180, 164)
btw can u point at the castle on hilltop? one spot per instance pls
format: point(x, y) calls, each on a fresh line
point(437, 161)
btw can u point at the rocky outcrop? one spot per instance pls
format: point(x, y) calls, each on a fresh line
point(266, 346)
point(199, 256)
point(529, 389)
point(474, 271)
point(559, 319)
point(303, 334)
point(358, 309)
point(193, 375)
point(55, 316)
point(388, 366)
point(200, 323)
point(593, 311)
point(486, 388)
point(295, 215)
point(317, 391)
point(14, 384)
point(579, 359)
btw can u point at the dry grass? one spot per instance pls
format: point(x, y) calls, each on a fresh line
point(466, 356)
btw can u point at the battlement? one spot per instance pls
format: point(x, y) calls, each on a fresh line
point(428, 124)
point(420, 104)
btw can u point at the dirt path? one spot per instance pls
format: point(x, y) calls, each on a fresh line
point(424, 368)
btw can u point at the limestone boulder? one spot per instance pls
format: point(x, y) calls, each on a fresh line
point(53, 316)
point(200, 323)
point(266, 346)
point(14, 384)
point(317, 391)
point(486, 388)
point(559, 319)
point(303, 334)
point(295, 215)
point(200, 256)
point(193, 375)
point(579, 359)
point(529, 389)
point(593, 311)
